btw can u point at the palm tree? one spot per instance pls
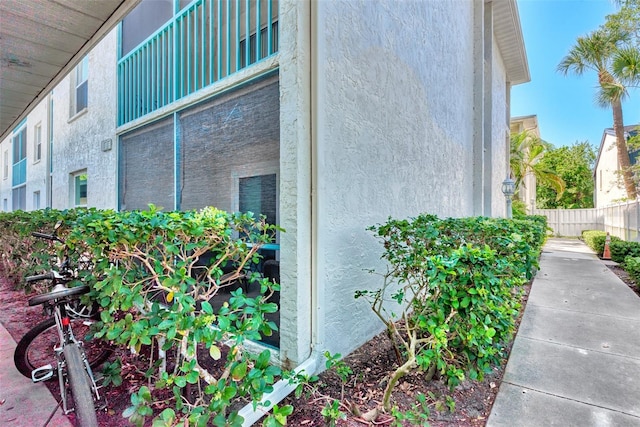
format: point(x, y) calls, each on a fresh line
point(596, 51)
point(526, 152)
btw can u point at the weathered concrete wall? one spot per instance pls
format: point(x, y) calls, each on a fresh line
point(394, 120)
point(79, 140)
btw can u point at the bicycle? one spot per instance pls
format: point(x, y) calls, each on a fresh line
point(56, 348)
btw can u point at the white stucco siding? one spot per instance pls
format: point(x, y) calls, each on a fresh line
point(37, 170)
point(500, 135)
point(394, 116)
point(77, 144)
point(5, 177)
point(608, 181)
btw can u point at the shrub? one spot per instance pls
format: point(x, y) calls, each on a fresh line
point(595, 239)
point(632, 266)
point(456, 282)
point(621, 249)
point(154, 274)
point(21, 254)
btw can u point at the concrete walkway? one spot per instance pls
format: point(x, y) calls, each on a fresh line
point(23, 403)
point(576, 358)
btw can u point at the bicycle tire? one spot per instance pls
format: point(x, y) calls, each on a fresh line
point(35, 349)
point(80, 385)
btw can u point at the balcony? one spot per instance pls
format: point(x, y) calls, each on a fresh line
point(202, 44)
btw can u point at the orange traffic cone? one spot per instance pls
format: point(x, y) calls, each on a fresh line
point(606, 254)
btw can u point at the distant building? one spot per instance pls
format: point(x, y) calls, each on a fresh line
point(609, 185)
point(527, 191)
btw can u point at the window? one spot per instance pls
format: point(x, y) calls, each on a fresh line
point(37, 143)
point(5, 167)
point(80, 189)
point(80, 93)
point(5, 205)
point(19, 198)
point(264, 45)
point(19, 171)
point(257, 194)
point(36, 200)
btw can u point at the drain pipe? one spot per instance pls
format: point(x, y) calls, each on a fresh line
point(314, 363)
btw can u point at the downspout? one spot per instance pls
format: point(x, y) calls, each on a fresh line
point(313, 364)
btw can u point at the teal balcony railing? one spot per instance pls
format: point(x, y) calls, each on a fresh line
point(19, 172)
point(202, 44)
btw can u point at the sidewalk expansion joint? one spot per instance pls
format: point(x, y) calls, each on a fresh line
point(570, 399)
point(590, 313)
point(591, 350)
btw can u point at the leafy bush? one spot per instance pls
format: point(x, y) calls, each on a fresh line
point(621, 249)
point(456, 282)
point(155, 275)
point(595, 239)
point(21, 254)
point(519, 209)
point(632, 266)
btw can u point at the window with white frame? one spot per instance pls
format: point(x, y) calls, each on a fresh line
point(36, 200)
point(37, 143)
point(79, 184)
point(80, 89)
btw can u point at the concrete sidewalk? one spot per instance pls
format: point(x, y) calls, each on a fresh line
point(576, 358)
point(23, 403)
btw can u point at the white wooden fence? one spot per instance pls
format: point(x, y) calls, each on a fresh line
point(621, 220)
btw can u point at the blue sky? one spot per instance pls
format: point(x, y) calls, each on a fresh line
point(565, 106)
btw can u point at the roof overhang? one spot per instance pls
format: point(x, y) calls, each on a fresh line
point(41, 41)
point(508, 32)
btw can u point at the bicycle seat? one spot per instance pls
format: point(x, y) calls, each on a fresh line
point(58, 292)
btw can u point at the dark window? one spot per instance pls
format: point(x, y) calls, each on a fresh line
point(264, 45)
point(257, 194)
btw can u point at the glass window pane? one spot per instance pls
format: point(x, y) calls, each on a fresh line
point(81, 189)
point(258, 195)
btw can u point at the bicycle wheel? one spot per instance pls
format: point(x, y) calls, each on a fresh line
point(80, 385)
point(36, 348)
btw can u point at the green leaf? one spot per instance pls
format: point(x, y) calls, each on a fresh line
point(206, 307)
point(239, 371)
point(214, 352)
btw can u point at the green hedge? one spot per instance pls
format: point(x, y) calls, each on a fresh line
point(456, 281)
point(595, 239)
point(621, 249)
point(150, 278)
point(632, 266)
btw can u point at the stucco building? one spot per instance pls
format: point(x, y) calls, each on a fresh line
point(333, 116)
point(606, 176)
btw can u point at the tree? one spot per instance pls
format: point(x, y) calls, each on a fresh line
point(596, 51)
point(527, 152)
point(574, 164)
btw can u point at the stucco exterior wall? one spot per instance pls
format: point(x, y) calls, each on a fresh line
point(82, 142)
point(5, 178)
point(394, 84)
point(37, 170)
point(609, 186)
point(500, 133)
